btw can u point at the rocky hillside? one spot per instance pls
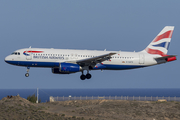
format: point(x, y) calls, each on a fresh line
point(17, 108)
point(20, 108)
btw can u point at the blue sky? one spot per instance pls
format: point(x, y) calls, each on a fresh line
point(93, 24)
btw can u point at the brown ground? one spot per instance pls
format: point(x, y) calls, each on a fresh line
point(18, 108)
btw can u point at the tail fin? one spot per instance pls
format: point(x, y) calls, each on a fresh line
point(161, 42)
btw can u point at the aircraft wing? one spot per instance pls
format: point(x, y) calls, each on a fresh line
point(94, 60)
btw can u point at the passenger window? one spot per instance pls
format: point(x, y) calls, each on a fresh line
point(18, 53)
point(15, 53)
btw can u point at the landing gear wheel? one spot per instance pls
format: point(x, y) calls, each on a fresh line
point(27, 74)
point(83, 77)
point(88, 76)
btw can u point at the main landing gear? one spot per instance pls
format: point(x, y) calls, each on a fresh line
point(83, 77)
point(27, 74)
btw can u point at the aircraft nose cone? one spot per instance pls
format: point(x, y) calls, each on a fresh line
point(7, 59)
point(10, 60)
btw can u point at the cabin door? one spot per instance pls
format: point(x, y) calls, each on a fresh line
point(28, 55)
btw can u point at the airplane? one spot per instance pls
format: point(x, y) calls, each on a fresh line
point(67, 61)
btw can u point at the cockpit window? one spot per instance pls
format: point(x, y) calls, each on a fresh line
point(15, 53)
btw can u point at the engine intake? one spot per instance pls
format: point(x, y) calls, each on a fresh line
point(66, 68)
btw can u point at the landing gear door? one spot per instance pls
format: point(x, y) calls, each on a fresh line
point(28, 55)
point(141, 58)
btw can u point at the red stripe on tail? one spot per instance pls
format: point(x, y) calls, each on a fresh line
point(151, 51)
point(167, 34)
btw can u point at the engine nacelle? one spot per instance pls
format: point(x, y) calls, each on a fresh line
point(66, 68)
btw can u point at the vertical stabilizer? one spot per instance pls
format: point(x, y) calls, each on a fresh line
point(161, 42)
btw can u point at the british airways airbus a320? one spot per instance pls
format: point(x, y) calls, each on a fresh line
point(66, 61)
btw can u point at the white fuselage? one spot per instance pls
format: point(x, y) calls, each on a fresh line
point(52, 57)
point(65, 61)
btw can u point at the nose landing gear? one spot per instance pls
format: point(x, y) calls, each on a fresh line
point(27, 74)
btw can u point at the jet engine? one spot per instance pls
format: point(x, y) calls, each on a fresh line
point(66, 68)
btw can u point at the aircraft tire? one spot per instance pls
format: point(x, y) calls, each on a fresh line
point(27, 74)
point(88, 76)
point(83, 77)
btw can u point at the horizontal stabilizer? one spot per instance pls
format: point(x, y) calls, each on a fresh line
point(168, 58)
